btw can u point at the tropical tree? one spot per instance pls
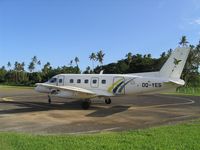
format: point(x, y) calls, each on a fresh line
point(149, 55)
point(34, 59)
point(129, 57)
point(100, 56)
point(88, 70)
point(93, 58)
point(183, 41)
point(22, 65)
point(71, 63)
point(76, 59)
point(19, 66)
point(31, 66)
point(39, 62)
point(9, 65)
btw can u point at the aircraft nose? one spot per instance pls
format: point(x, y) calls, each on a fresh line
point(41, 89)
point(37, 88)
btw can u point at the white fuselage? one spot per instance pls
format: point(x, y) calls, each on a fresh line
point(108, 85)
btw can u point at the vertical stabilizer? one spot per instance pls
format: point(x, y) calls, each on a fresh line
point(173, 67)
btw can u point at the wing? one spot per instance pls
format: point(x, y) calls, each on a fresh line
point(67, 88)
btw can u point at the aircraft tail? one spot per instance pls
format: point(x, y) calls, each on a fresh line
point(173, 67)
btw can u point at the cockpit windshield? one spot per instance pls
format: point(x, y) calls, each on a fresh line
point(53, 80)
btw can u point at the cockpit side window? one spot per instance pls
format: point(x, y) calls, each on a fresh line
point(60, 80)
point(53, 80)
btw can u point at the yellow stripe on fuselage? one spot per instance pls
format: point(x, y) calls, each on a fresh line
point(113, 85)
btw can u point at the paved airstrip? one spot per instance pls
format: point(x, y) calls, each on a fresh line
point(23, 110)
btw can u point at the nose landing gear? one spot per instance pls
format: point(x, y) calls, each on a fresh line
point(49, 99)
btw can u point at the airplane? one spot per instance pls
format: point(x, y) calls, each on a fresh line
point(88, 86)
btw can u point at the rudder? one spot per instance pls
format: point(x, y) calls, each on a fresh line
point(173, 67)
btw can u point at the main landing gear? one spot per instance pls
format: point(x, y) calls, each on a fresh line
point(86, 104)
point(49, 99)
point(108, 101)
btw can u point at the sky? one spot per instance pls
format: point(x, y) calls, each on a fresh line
point(57, 31)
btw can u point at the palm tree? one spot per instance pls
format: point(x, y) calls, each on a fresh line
point(22, 66)
point(76, 59)
point(149, 55)
point(93, 58)
point(183, 41)
point(9, 65)
point(87, 71)
point(46, 68)
point(129, 57)
point(100, 56)
point(16, 68)
point(31, 66)
point(71, 63)
point(39, 62)
point(34, 59)
point(163, 55)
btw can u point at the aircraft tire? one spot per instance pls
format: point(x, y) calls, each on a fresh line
point(49, 99)
point(86, 104)
point(108, 101)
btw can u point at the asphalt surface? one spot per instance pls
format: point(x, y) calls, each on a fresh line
point(23, 110)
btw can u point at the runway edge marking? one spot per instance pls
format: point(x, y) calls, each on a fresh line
point(96, 131)
point(190, 101)
point(9, 99)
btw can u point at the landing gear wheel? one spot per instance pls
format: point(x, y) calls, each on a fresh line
point(108, 101)
point(49, 99)
point(86, 104)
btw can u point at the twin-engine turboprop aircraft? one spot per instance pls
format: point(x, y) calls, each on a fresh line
point(88, 86)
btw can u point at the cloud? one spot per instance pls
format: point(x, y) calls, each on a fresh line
point(196, 21)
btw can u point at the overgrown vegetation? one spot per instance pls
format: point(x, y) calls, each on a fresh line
point(132, 63)
point(195, 91)
point(182, 136)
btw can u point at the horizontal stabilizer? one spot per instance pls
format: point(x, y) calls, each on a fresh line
point(176, 81)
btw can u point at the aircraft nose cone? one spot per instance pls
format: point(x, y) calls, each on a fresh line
point(37, 88)
point(41, 89)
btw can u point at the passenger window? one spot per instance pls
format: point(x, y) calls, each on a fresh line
point(60, 80)
point(71, 81)
point(53, 80)
point(86, 81)
point(103, 81)
point(79, 81)
point(94, 81)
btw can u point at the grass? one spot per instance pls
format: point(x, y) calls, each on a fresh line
point(182, 136)
point(18, 87)
point(186, 91)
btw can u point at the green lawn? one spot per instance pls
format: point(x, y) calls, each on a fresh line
point(18, 87)
point(175, 137)
point(186, 91)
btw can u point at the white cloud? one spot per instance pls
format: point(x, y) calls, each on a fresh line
point(196, 21)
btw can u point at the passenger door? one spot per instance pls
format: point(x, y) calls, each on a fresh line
point(60, 80)
point(118, 88)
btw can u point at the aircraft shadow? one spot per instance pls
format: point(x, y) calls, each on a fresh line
point(103, 112)
point(25, 107)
